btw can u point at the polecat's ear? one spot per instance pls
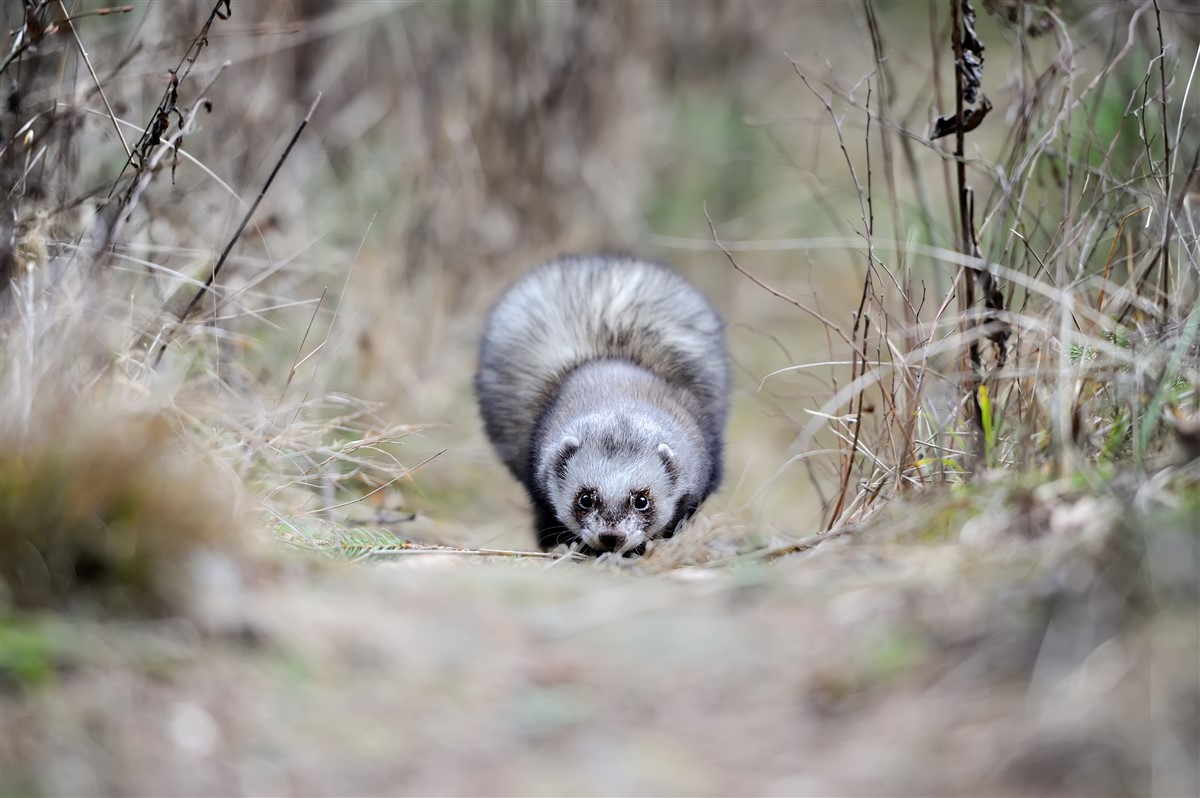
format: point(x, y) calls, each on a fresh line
point(566, 448)
point(667, 455)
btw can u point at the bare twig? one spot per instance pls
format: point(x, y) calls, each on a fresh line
point(798, 305)
point(858, 345)
point(911, 320)
point(183, 316)
point(167, 105)
point(405, 549)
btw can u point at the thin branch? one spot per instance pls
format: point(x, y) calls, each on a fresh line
point(798, 305)
point(183, 316)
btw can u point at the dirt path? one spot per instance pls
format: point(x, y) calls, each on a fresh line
point(872, 664)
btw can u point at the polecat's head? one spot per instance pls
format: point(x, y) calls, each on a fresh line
point(615, 492)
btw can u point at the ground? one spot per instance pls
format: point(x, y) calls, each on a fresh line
point(1059, 660)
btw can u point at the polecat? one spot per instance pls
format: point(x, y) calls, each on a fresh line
point(604, 386)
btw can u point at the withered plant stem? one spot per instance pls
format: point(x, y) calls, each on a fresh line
point(971, 377)
point(858, 361)
point(907, 460)
point(1164, 297)
point(187, 311)
point(181, 71)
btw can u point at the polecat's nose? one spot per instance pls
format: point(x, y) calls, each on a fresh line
point(611, 541)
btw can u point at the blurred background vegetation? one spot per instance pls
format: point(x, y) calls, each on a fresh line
point(159, 459)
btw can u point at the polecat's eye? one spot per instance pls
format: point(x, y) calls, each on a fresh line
point(640, 501)
point(586, 500)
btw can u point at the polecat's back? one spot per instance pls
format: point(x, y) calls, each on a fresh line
point(578, 309)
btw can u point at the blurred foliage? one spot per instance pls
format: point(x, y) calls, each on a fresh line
point(721, 166)
point(31, 653)
point(108, 512)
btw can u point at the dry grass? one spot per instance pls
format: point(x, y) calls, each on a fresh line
point(1054, 349)
point(245, 248)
